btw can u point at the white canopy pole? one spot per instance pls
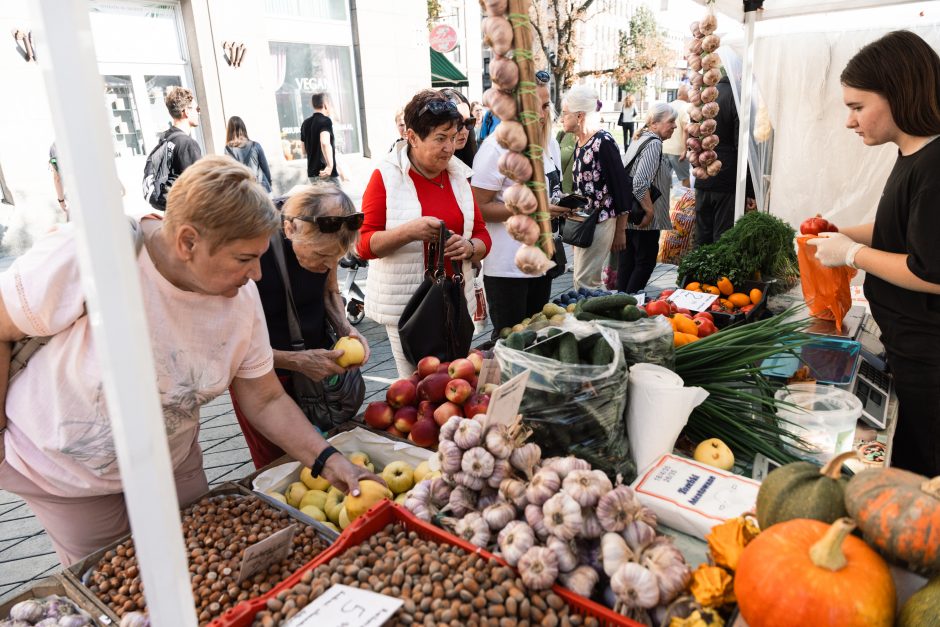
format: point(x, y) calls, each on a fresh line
point(115, 305)
point(744, 113)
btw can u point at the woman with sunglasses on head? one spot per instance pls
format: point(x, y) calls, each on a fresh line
point(416, 187)
point(466, 146)
point(892, 90)
point(319, 225)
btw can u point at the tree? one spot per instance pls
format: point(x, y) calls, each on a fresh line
point(555, 23)
point(642, 50)
point(434, 12)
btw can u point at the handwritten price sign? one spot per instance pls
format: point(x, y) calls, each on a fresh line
point(693, 301)
point(344, 606)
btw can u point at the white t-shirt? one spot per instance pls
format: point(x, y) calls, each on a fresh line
point(501, 260)
point(59, 433)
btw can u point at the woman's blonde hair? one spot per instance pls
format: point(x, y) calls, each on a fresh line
point(316, 200)
point(221, 199)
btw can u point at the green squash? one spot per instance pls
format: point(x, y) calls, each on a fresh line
point(802, 490)
point(923, 608)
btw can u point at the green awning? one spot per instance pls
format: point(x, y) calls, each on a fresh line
point(444, 73)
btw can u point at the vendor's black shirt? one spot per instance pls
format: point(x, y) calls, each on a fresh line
point(908, 221)
point(307, 288)
point(310, 135)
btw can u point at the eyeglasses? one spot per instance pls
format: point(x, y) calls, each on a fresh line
point(331, 224)
point(543, 77)
point(469, 124)
point(438, 107)
point(196, 107)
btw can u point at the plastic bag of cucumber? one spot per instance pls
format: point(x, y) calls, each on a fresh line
point(576, 393)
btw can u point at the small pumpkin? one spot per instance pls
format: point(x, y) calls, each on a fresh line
point(802, 490)
point(805, 572)
point(899, 514)
point(922, 608)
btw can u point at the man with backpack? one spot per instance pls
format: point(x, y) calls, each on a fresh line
point(176, 151)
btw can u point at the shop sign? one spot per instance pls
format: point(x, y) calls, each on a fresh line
point(314, 84)
point(347, 606)
point(693, 301)
point(443, 38)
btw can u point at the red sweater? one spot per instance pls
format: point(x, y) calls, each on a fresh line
point(435, 202)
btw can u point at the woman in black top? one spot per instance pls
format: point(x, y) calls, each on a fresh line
point(466, 147)
point(892, 90)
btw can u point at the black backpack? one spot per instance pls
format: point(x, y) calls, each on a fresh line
point(156, 183)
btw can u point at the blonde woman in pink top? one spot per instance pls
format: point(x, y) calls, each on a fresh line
point(197, 269)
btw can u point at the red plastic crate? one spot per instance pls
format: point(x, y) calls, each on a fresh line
point(373, 522)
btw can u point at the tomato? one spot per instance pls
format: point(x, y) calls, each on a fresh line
point(705, 327)
point(683, 310)
point(817, 225)
point(705, 315)
point(657, 308)
point(665, 294)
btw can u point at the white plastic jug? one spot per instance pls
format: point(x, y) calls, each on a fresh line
point(824, 417)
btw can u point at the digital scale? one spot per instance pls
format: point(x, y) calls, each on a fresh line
point(873, 383)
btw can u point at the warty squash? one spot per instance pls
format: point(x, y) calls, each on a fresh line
point(922, 608)
point(803, 490)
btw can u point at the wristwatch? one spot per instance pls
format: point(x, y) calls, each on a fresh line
point(473, 249)
point(317, 469)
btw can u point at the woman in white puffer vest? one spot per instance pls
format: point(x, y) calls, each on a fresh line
point(417, 186)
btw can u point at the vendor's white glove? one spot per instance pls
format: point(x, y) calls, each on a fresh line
point(835, 249)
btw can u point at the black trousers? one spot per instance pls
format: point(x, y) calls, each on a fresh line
point(510, 300)
point(628, 128)
point(917, 438)
point(714, 214)
point(635, 263)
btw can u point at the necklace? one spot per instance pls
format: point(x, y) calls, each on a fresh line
point(426, 177)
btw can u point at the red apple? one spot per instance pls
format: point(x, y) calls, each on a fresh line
point(426, 409)
point(424, 433)
point(379, 415)
point(396, 432)
point(476, 358)
point(432, 387)
point(443, 366)
point(401, 393)
point(405, 417)
point(461, 369)
point(705, 327)
point(443, 413)
point(473, 381)
point(458, 390)
point(476, 404)
point(428, 365)
point(415, 377)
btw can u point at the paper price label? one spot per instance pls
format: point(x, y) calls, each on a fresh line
point(693, 301)
point(262, 555)
point(343, 606)
point(489, 373)
point(505, 401)
point(640, 298)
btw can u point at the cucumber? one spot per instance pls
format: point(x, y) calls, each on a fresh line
point(614, 301)
point(528, 337)
point(515, 341)
point(552, 332)
point(568, 349)
point(586, 316)
point(585, 345)
point(601, 353)
point(631, 313)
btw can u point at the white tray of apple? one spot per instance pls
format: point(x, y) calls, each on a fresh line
point(400, 464)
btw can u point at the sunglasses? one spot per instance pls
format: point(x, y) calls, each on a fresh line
point(469, 124)
point(543, 77)
point(331, 224)
point(438, 107)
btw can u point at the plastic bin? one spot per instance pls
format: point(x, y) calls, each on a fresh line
point(371, 523)
point(824, 416)
point(723, 320)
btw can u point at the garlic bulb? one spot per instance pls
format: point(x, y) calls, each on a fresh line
point(469, 433)
point(565, 465)
point(497, 34)
point(638, 535)
point(499, 514)
point(615, 553)
point(587, 486)
point(513, 490)
point(462, 501)
point(531, 260)
point(514, 540)
point(498, 440)
point(522, 228)
point(562, 516)
point(617, 508)
point(711, 43)
point(440, 492)
point(591, 527)
point(504, 73)
point(450, 456)
point(536, 520)
point(565, 552)
point(518, 198)
point(538, 568)
point(672, 573)
point(487, 497)
point(645, 514)
point(501, 471)
point(635, 586)
point(526, 457)
point(469, 481)
point(707, 25)
point(512, 136)
point(478, 462)
point(29, 611)
point(419, 509)
point(516, 166)
point(135, 619)
point(473, 529)
point(448, 429)
point(543, 486)
point(581, 580)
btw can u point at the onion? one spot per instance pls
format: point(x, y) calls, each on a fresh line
point(511, 136)
point(710, 110)
point(709, 94)
point(711, 43)
point(498, 8)
point(695, 62)
point(692, 143)
point(710, 61)
point(519, 198)
point(708, 24)
point(713, 168)
point(502, 104)
point(504, 73)
point(707, 156)
point(523, 229)
point(515, 166)
point(695, 97)
point(710, 141)
point(708, 127)
point(695, 114)
point(497, 34)
point(712, 77)
point(691, 129)
point(532, 260)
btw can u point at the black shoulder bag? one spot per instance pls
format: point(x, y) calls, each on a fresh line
point(436, 321)
point(636, 211)
point(325, 403)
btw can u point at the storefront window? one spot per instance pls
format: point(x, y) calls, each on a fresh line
point(139, 32)
point(125, 126)
point(307, 9)
point(301, 70)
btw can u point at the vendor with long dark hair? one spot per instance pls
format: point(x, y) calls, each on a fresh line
point(892, 90)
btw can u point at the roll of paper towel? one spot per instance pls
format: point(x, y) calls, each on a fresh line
point(658, 409)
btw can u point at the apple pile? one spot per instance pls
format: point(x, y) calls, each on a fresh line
point(417, 407)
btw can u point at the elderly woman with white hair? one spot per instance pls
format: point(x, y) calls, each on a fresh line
point(652, 177)
point(597, 174)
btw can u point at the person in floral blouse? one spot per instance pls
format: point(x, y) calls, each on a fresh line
point(597, 174)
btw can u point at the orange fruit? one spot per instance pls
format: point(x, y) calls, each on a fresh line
point(711, 289)
point(756, 295)
point(694, 286)
point(684, 325)
point(726, 304)
point(724, 286)
point(739, 300)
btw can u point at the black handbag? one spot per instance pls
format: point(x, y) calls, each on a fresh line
point(436, 320)
point(578, 229)
point(326, 403)
point(560, 258)
point(636, 212)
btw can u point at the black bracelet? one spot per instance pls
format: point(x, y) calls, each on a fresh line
point(317, 469)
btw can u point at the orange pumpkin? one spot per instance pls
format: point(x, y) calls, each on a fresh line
point(805, 572)
point(899, 513)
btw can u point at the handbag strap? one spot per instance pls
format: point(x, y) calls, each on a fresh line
point(293, 320)
point(637, 154)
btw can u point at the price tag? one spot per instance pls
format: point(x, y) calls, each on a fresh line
point(640, 298)
point(343, 606)
point(693, 301)
point(489, 373)
point(505, 401)
point(262, 555)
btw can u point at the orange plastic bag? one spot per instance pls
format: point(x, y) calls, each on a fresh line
point(825, 290)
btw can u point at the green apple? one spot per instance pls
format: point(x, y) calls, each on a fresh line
point(317, 498)
point(399, 476)
point(314, 512)
point(313, 483)
point(277, 496)
point(294, 493)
